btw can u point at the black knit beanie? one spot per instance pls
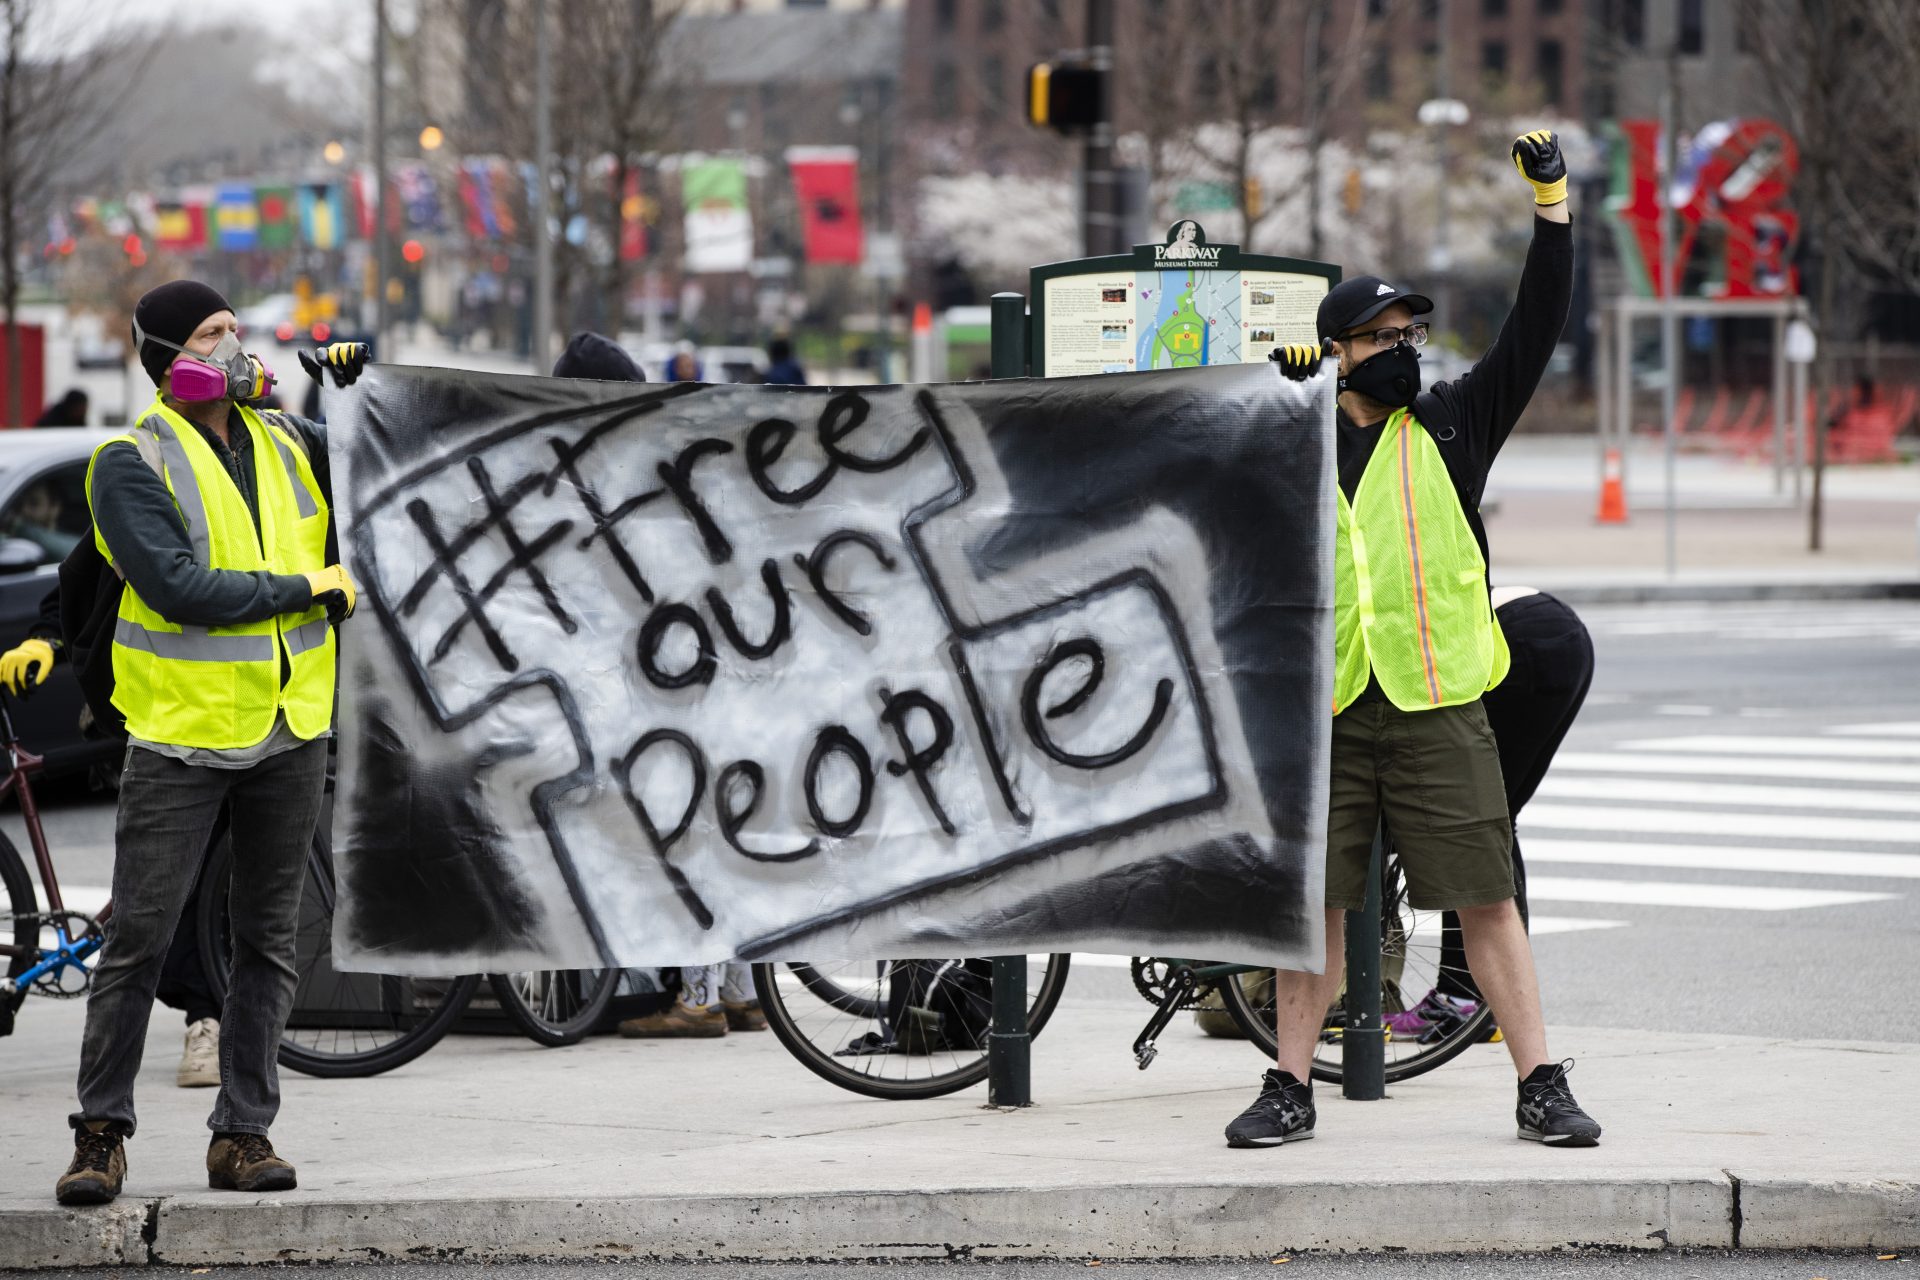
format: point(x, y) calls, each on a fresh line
point(591, 356)
point(171, 312)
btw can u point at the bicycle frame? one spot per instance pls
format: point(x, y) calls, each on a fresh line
point(68, 952)
point(1184, 977)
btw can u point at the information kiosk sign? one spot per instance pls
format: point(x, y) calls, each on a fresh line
point(1173, 305)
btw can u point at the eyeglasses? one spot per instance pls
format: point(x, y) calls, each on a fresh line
point(1413, 335)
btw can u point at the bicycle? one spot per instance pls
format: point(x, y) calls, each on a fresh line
point(50, 950)
point(811, 1007)
point(361, 1024)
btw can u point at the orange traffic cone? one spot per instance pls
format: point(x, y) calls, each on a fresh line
point(1613, 493)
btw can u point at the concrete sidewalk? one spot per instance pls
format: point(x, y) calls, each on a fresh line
point(1736, 536)
point(494, 1148)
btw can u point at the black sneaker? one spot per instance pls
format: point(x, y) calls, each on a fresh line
point(1282, 1113)
point(1548, 1113)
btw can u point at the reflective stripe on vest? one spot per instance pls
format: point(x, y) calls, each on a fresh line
point(220, 687)
point(1410, 583)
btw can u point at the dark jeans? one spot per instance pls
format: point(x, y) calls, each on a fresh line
point(183, 979)
point(167, 811)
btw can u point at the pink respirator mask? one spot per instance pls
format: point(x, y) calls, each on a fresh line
point(225, 373)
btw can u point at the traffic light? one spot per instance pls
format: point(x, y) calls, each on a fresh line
point(1256, 197)
point(1352, 194)
point(1067, 97)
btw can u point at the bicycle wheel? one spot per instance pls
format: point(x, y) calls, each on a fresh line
point(847, 1041)
point(555, 1007)
point(1411, 973)
point(16, 887)
point(832, 992)
point(341, 1024)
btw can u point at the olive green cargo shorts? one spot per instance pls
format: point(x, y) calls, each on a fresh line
point(1435, 776)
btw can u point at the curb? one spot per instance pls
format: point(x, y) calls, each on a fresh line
point(1729, 592)
point(1141, 1221)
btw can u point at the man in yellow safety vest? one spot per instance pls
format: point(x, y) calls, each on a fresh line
point(1415, 645)
point(216, 517)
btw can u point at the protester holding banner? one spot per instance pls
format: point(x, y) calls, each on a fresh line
point(1416, 644)
point(217, 517)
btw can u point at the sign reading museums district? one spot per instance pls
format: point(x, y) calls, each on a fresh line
point(667, 675)
point(1175, 305)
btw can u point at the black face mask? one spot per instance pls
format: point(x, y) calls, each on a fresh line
point(1391, 377)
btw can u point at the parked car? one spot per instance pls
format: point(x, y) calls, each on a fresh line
point(43, 513)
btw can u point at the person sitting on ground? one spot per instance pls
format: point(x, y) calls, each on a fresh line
point(712, 999)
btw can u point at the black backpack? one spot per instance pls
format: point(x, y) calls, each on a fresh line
point(89, 607)
point(936, 1005)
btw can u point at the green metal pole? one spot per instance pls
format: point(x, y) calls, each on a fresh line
point(1363, 1051)
point(1009, 1044)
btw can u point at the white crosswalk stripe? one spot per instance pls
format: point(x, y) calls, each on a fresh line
point(1734, 744)
point(1604, 818)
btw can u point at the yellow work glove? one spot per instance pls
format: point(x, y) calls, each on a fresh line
point(1298, 361)
point(26, 665)
point(344, 360)
point(333, 590)
point(1537, 156)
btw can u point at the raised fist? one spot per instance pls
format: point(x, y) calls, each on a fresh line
point(1537, 156)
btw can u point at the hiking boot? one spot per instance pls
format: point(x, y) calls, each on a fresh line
point(1282, 1113)
point(99, 1166)
point(200, 1061)
point(245, 1162)
point(1548, 1113)
point(744, 1015)
point(677, 1021)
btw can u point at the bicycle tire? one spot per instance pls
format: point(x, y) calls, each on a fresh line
point(415, 1013)
point(832, 992)
point(20, 904)
point(825, 1064)
point(1256, 1017)
point(571, 1002)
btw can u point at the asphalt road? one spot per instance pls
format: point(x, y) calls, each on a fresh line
point(1729, 839)
point(1673, 1264)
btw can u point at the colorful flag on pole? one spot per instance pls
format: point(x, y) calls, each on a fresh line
point(719, 225)
point(414, 184)
point(236, 220)
point(500, 182)
point(826, 183)
point(276, 216)
point(320, 215)
point(360, 183)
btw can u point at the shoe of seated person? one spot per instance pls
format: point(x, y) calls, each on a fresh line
point(678, 1022)
point(1547, 1112)
point(1282, 1113)
point(744, 1015)
point(200, 1059)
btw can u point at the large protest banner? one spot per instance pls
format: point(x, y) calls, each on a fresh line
point(664, 675)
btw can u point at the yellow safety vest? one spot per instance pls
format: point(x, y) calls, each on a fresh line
point(1409, 584)
point(219, 687)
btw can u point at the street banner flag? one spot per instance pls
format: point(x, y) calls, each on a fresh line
point(501, 184)
point(826, 185)
point(365, 201)
point(633, 222)
point(276, 217)
point(476, 200)
point(180, 228)
point(719, 226)
point(651, 675)
point(235, 218)
point(321, 223)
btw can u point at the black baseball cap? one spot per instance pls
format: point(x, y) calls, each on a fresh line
point(1359, 300)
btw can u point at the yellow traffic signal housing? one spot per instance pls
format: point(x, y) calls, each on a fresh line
point(1068, 97)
